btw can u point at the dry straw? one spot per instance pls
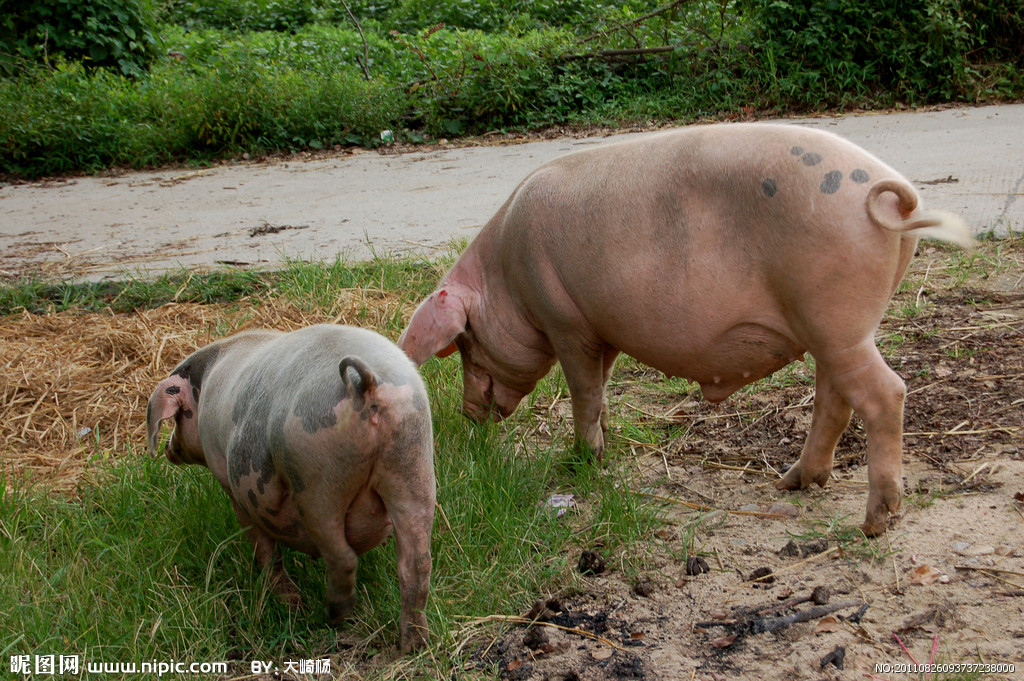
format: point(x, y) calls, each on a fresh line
point(74, 385)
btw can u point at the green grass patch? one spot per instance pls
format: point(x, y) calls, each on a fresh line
point(149, 562)
point(310, 285)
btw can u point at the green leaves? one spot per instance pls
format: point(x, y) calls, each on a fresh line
point(118, 34)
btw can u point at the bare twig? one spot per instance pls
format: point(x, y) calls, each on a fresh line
point(365, 61)
point(635, 22)
point(759, 625)
point(776, 623)
point(612, 54)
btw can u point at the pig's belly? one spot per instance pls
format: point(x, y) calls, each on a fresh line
point(367, 523)
point(726, 362)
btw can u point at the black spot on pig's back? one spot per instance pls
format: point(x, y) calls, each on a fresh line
point(251, 441)
point(315, 405)
point(860, 176)
point(830, 185)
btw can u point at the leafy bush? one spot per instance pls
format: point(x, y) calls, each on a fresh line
point(264, 75)
point(105, 33)
point(841, 51)
point(251, 15)
point(69, 120)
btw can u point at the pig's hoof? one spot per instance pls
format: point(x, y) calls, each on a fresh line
point(880, 510)
point(413, 637)
point(286, 590)
point(338, 611)
point(797, 478)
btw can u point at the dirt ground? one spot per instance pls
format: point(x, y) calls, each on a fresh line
point(946, 582)
point(944, 585)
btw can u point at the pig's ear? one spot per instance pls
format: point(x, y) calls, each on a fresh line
point(170, 397)
point(436, 324)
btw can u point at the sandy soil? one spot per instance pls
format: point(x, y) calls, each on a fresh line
point(948, 576)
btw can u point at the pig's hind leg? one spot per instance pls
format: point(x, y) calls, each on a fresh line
point(876, 393)
point(409, 495)
point(268, 558)
point(324, 518)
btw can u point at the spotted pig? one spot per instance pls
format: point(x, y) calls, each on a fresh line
point(717, 253)
point(322, 439)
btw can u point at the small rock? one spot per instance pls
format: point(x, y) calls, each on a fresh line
point(790, 549)
point(591, 563)
point(751, 508)
point(1004, 550)
point(536, 638)
point(644, 587)
point(961, 546)
point(980, 550)
point(782, 508)
point(714, 515)
point(762, 575)
point(820, 596)
point(813, 548)
point(696, 565)
point(836, 658)
point(544, 611)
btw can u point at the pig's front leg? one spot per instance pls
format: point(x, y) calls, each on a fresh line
point(268, 557)
point(830, 417)
point(586, 371)
point(609, 363)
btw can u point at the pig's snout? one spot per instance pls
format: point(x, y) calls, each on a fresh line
point(479, 414)
point(478, 399)
point(173, 451)
point(486, 399)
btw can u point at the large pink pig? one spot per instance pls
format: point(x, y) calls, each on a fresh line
point(717, 253)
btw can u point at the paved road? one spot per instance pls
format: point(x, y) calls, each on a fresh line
point(967, 160)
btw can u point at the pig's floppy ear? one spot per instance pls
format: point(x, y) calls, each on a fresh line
point(436, 324)
point(170, 397)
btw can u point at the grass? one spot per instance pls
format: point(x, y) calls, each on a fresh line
point(147, 561)
point(839, 531)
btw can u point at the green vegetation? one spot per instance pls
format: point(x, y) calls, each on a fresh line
point(149, 562)
point(310, 285)
point(99, 83)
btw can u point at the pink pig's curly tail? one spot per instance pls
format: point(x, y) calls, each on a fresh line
point(936, 224)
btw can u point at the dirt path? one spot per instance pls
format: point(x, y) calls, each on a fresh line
point(254, 214)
